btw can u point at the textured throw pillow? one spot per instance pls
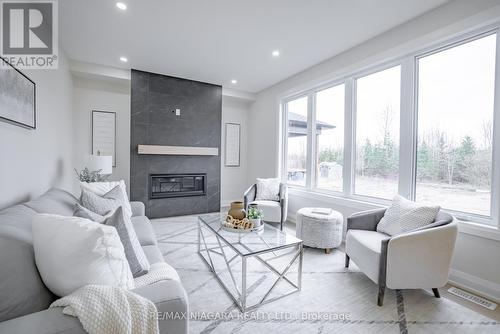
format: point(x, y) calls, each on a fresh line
point(110, 201)
point(101, 188)
point(139, 264)
point(83, 212)
point(268, 190)
point(71, 252)
point(404, 216)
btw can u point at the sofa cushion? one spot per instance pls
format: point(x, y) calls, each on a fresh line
point(83, 212)
point(17, 219)
point(106, 203)
point(49, 321)
point(268, 189)
point(144, 230)
point(271, 210)
point(101, 188)
point(54, 201)
point(71, 252)
point(153, 254)
point(170, 298)
point(364, 248)
point(139, 264)
point(21, 288)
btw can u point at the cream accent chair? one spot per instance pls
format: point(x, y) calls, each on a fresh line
point(418, 259)
point(273, 211)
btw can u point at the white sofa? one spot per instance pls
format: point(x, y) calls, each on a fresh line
point(418, 259)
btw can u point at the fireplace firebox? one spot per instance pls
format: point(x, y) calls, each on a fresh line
point(176, 185)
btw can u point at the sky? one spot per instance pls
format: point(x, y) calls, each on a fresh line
point(455, 95)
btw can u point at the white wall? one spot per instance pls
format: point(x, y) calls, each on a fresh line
point(475, 263)
point(104, 95)
point(234, 179)
point(32, 161)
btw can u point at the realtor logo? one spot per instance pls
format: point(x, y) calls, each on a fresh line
point(29, 33)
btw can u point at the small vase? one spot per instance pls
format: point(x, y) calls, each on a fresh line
point(236, 211)
point(256, 222)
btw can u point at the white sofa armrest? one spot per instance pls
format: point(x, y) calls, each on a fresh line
point(421, 259)
point(138, 208)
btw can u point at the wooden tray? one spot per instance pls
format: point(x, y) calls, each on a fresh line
point(237, 230)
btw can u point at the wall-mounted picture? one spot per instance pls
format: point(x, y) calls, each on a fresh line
point(233, 139)
point(104, 133)
point(17, 97)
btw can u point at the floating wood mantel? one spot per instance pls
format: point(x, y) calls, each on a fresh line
point(177, 150)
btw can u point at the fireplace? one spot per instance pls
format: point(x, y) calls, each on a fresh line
point(176, 185)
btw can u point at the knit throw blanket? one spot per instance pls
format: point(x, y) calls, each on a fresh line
point(109, 310)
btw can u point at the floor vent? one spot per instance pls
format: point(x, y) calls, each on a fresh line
point(472, 298)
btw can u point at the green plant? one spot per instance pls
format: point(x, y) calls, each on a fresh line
point(85, 175)
point(254, 213)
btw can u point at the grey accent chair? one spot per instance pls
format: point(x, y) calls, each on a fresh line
point(273, 211)
point(418, 259)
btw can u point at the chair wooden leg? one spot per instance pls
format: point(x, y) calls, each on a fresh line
point(381, 292)
point(347, 261)
point(436, 292)
point(328, 250)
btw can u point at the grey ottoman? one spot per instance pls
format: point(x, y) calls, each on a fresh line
point(320, 227)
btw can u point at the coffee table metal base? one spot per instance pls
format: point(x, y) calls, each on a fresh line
point(220, 249)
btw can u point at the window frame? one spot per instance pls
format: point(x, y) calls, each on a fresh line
point(408, 124)
point(494, 218)
point(355, 78)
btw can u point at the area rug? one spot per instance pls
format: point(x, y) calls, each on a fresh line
point(332, 299)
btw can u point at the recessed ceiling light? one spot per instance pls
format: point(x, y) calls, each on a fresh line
point(276, 53)
point(121, 5)
point(234, 81)
point(123, 59)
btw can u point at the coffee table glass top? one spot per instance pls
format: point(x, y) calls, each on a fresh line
point(269, 239)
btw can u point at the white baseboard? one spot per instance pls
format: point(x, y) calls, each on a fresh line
point(477, 285)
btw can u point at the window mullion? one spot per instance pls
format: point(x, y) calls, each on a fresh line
point(349, 137)
point(408, 134)
point(284, 153)
point(311, 142)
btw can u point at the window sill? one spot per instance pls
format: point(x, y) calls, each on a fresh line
point(361, 204)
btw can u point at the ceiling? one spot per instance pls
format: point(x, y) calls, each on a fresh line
point(220, 40)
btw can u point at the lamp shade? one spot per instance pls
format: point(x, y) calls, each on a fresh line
point(100, 162)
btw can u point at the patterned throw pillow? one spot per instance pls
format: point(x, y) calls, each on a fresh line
point(83, 212)
point(110, 201)
point(139, 264)
point(101, 188)
point(268, 190)
point(404, 216)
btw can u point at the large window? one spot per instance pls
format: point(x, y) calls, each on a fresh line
point(423, 127)
point(377, 133)
point(330, 108)
point(297, 141)
point(455, 126)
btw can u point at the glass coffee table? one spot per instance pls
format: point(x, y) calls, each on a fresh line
point(228, 255)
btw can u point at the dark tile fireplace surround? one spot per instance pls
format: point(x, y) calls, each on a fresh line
point(172, 185)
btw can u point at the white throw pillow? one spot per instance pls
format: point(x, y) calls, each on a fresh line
point(101, 188)
point(404, 216)
point(268, 190)
point(71, 252)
